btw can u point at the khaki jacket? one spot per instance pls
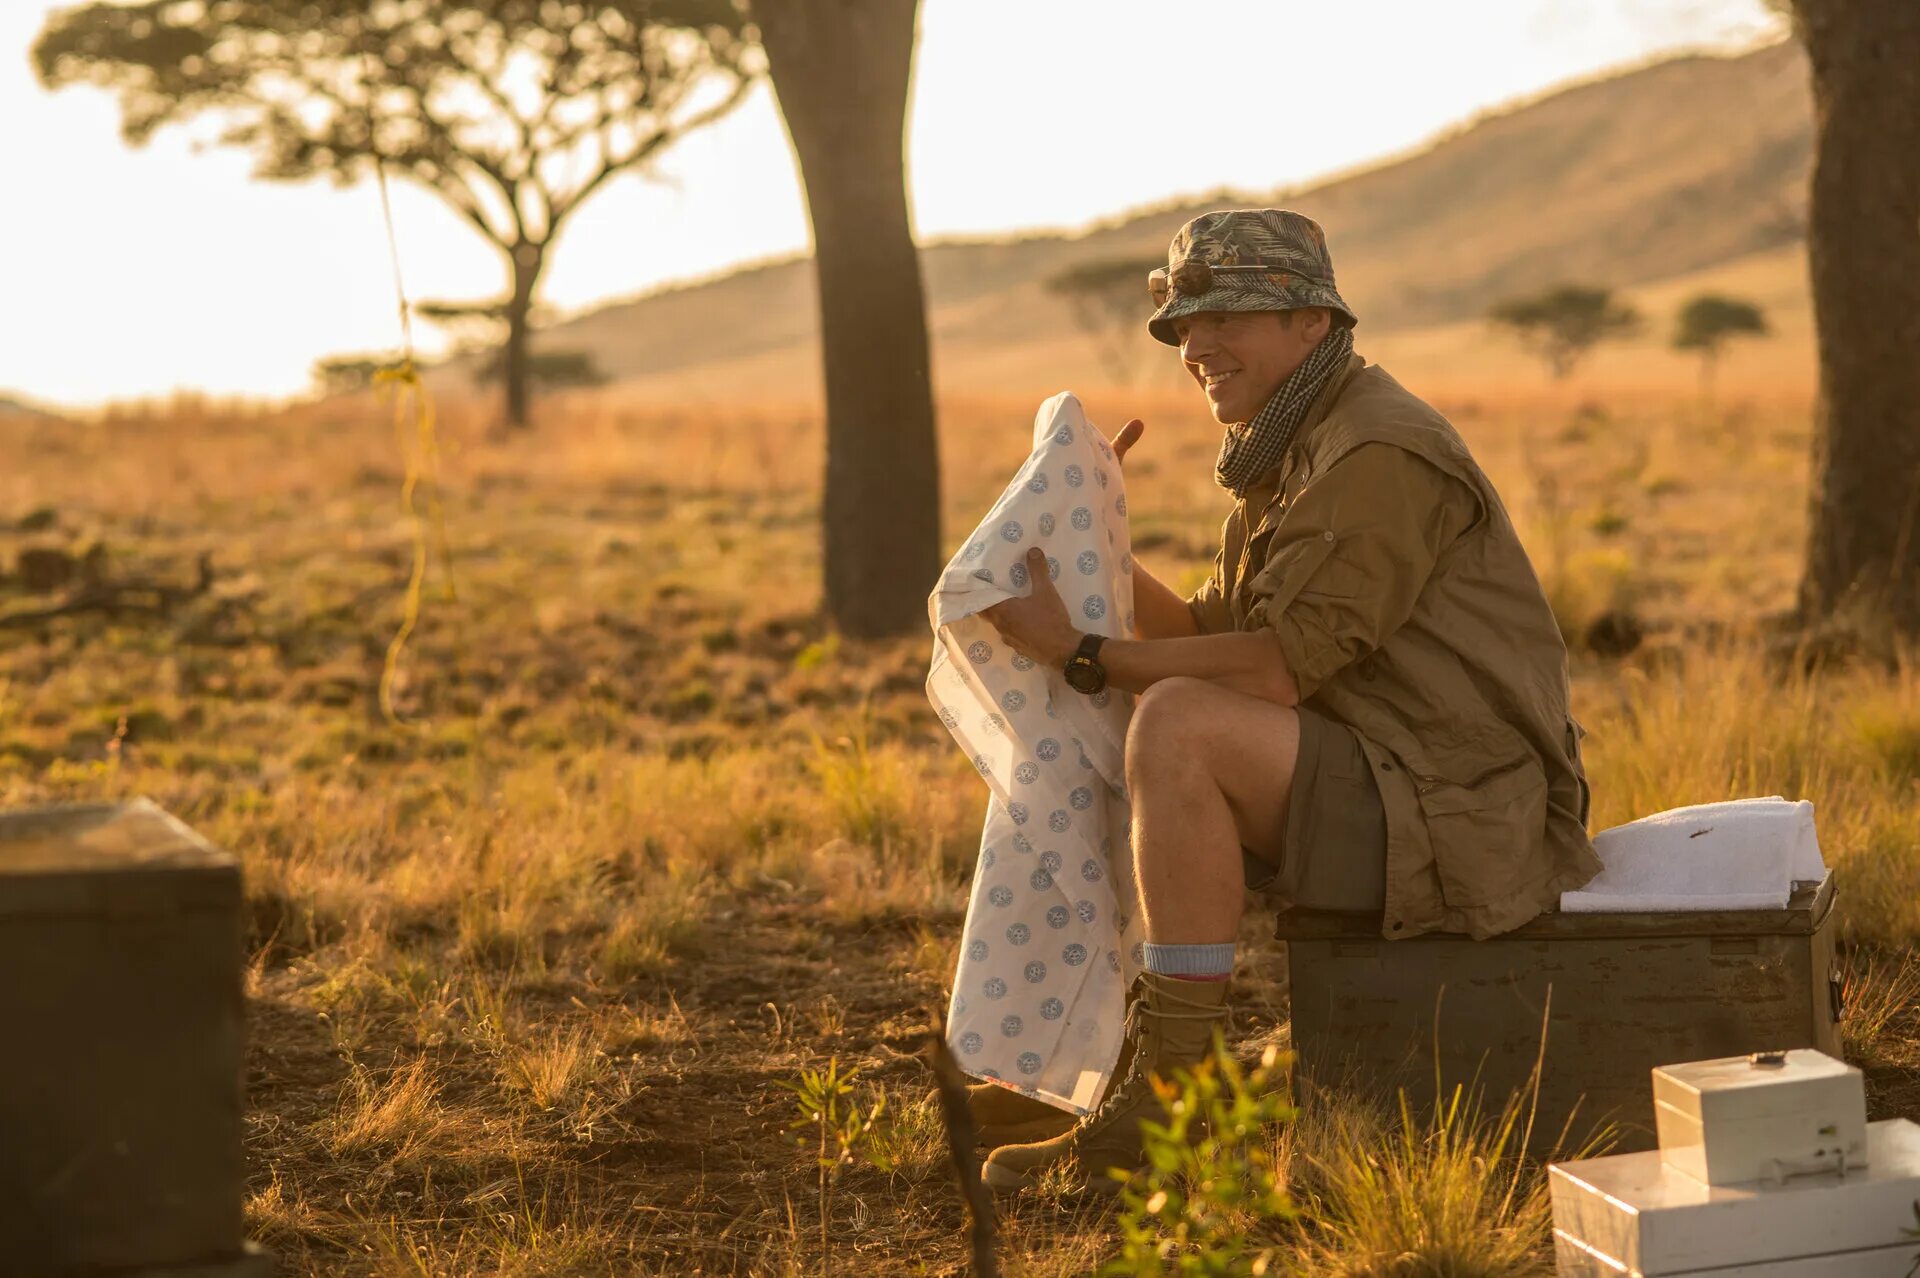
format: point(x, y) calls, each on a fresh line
point(1381, 557)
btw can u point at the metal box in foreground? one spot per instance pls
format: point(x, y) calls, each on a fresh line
point(1766, 1114)
point(1640, 1216)
point(1628, 992)
point(120, 1106)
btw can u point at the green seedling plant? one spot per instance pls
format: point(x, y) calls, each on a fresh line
point(845, 1130)
point(1210, 1173)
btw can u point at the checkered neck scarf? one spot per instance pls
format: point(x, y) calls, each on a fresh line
point(1251, 449)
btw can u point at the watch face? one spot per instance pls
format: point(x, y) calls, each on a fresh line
point(1084, 675)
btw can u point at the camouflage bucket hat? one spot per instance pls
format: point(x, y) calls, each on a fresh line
point(1244, 260)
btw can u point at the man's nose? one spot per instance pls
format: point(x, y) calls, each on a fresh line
point(1197, 344)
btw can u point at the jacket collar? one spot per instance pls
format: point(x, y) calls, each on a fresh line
point(1264, 489)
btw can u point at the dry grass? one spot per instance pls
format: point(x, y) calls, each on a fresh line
point(526, 971)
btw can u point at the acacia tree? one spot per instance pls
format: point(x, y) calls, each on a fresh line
point(1563, 323)
point(1863, 224)
point(1108, 298)
point(842, 70)
point(1707, 323)
point(513, 112)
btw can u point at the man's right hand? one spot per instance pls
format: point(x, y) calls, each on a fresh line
point(1129, 436)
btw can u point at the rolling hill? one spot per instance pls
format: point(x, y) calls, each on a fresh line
point(1684, 172)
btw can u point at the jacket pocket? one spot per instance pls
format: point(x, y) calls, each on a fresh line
point(1487, 833)
point(1284, 575)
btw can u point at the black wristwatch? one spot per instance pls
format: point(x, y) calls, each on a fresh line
point(1083, 670)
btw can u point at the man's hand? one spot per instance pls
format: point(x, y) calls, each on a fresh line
point(1037, 626)
point(1129, 436)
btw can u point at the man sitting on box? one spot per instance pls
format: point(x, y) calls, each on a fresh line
point(1364, 708)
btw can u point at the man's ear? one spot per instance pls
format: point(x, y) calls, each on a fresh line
point(1316, 322)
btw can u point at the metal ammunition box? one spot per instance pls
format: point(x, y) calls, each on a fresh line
point(120, 1078)
point(1615, 994)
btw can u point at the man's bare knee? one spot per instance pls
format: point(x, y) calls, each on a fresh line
point(1169, 727)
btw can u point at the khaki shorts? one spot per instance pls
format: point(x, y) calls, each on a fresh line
point(1333, 854)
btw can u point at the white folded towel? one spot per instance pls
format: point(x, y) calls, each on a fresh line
point(1743, 854)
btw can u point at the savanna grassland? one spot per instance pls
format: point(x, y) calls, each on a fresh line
point(527, 969)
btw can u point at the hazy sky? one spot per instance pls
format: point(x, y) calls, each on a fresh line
point(135, 272)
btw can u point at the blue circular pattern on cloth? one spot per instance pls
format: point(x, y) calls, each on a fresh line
point(1019, 934)
point(1046, 750)
point(1001, 894)
point(971, 1043)
point(1017, 574)
point(1012, 531)
point(1046, 524)
point(1053, 1009)
point(1035, 972)
point(1086, 911)
point(1082, 797)
point(1050, 862)
point(1056, 917)
point(1088, 563)
point(1029, 1062)
point(979, 652)
point(1074, 955)
point(1026, 773)
point(1074, 476)
point(1038, 484)
point(976, 950)
point(1095, 607)
point(1058, 821)
point(1081, 518)
point(1090, 870)
point(1013, 701)
point(1040, 880)
point(1018, 811)
point(1010, 1026)
point(994, 988)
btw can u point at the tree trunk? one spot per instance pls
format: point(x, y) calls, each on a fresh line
point(527, 261)
point(1863, 551)
point(842, 70)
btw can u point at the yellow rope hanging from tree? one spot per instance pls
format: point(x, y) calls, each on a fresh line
point(410, 402)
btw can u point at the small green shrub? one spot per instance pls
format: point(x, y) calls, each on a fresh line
point(1210, 1176)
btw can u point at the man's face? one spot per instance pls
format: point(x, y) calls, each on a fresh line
point(1239, 358)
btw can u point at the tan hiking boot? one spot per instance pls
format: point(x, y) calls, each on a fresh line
point(1002, 1116)
point(1172, 1025)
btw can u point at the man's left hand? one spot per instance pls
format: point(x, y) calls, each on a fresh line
point(1037, 626)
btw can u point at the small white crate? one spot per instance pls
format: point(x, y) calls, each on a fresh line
point(1769, 1115)
point(1634, 1214)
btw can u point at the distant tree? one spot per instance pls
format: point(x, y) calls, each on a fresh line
point(550, 369)
point(1708, 322)
point(513, 112)
point(344, 374)
point(1564, 323)
point(1108, 297)
point(1863, 547)
point(843, 70)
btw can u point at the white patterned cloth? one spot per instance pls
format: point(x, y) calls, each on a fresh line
point(1049, 947)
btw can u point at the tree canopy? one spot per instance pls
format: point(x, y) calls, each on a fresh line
point(513, 112)
point(1563, 323)
point(1108, 297)
point(1709, 319)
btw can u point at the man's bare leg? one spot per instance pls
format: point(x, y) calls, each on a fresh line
point(1208, 770)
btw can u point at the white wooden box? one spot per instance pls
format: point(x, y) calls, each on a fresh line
point(1768, 1115)
point(1633, 1214)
